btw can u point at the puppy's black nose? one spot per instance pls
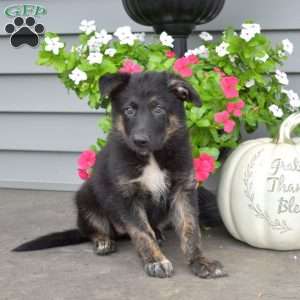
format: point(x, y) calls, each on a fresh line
point(141, 140)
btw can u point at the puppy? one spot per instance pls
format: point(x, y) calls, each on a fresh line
point(143, 178)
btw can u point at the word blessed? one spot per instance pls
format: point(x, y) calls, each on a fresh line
point(25, 10)
point(288, 206)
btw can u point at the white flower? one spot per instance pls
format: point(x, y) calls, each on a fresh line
point(281, 77)
point(129, 40)
point(262, 58)
point(123, 32)
point(276, 111)
point(288, 47)
point(110, 52)
point(250, 83)
point(202, 51)
point(141, 36)
point(247, 35)
point(77, 75)
point(294, 100)
point(94, 44)
point(255, 28)
point(222, 49)
point(95, 58)
point(102, 37)
point(53, 45)
point(87, 26)
point(205, 36)
point(99, 39)
point(249, 31)
point(125, 35)
point(166, 39)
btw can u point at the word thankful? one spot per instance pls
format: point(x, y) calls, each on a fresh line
point(288, 206)
point(279, 184)
point(279, 164)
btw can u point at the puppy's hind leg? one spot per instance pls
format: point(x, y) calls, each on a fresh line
point(92, 223)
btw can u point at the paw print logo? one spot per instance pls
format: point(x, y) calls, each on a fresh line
point(24, 32)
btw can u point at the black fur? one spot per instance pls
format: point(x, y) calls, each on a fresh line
point(144, 178)
point(57, 239)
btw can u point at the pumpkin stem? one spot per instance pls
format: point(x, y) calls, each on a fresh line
point(287, 127)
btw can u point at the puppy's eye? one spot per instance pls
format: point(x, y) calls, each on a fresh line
point(158, 110)
point(129, 111)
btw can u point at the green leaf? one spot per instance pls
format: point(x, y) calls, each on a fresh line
point(211, 151)
point(203, 123)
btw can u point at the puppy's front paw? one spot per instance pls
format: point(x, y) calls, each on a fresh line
point(161, 269)
point(104, 247)
point(205, 268)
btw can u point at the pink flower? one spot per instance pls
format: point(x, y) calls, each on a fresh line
point(129, 66)
point(192, 59)
point(236, 107)
point(204, 165)
point(83, 174)
point(223, 118)
point(170, 54)
point(229, 86)
point(182, 65)
point(86, 160)
point(229, 125)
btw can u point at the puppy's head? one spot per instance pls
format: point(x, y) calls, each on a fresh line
point(147, 108)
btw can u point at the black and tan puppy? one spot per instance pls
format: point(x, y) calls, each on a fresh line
point(143, 178)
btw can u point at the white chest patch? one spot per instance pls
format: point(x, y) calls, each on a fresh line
point(153, 178)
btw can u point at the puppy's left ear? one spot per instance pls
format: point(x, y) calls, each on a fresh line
point(183, 90)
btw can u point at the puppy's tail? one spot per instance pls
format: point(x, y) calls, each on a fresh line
point(56, 239)
point(208, 209)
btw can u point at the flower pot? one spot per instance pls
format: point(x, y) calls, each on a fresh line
point(177, 17)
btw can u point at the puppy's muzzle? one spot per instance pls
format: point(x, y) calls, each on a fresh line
point(141, 141)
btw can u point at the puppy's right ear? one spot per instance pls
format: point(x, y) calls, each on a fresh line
point(112, 83)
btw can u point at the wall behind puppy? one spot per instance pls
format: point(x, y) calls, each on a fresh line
point(43, 128)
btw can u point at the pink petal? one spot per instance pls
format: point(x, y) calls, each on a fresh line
point(240, 104)
point(129, 66)
point(170, 54)
point(204, 165)
point(192, 59)
point(229, 86)
point(221, 117)
point(229, 126)
point(83, 174)
point(202, 176)
point(186, 72)
point(237, 112)
point(230, 107)
point(86, 159)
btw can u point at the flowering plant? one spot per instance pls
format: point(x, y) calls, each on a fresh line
point(236, 76)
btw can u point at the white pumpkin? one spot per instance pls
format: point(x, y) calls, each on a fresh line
point(259, 190)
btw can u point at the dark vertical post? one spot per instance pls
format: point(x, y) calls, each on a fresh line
point(180, 44)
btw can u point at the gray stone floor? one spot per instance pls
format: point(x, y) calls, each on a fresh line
point(76, 273)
